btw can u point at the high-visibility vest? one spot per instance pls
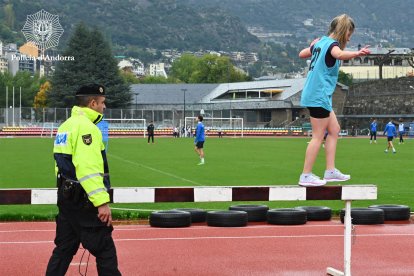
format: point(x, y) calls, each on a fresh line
point(80, 154)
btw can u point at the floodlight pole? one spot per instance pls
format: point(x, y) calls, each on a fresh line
point(136, 100)
point(7, 105)
point(184, 90)
point(13, 107)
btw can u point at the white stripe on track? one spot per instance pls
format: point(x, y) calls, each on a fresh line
point(201, 227)
point(146, 227)
point(260, 237)
point(155, 170)
point(228, 237)
point(31, 230)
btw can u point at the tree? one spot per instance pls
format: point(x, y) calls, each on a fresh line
point(410, 58)
point(41, 96)
point(29, 85)
point(183, 67)
point(129, 77)
point(207, 69)
point(345, 78)
point(383, 60)
point(93, 62)
point(158, 80)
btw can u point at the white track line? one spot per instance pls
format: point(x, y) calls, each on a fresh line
point(31, 230)
point(155, 170)
point(202, 227)
point(260, 237)
point(148, 228)
point(228, 237)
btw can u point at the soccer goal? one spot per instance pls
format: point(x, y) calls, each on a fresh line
point(133, 126)
point(212, 126)
point(48, 129)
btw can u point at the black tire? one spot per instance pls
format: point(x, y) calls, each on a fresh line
point(227, 218)
point(365, 216)
point(254, 212)
point(197, 215)
point(317, 212)
point(170, 219)
point(286, 216)
point(394, 212)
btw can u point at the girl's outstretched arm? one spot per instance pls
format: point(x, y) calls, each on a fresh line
point(337, 53)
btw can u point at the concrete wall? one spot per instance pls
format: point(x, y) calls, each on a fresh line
point(382, 99)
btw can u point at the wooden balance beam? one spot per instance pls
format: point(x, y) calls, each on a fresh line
point(346, 193)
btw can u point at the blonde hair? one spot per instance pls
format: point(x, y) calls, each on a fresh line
point(339, 28)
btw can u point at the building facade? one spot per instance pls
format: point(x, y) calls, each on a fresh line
point(270, 103)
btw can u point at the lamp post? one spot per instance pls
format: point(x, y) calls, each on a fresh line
point(228, 85)
point(136, 100)
point(184, 90)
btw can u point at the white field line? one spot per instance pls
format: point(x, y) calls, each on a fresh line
point(154, 169)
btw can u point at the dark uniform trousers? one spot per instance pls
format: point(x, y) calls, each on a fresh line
point(150, 136)
point(77, 223)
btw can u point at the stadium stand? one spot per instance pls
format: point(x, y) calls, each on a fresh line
point(116, 132)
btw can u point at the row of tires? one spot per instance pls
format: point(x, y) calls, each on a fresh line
point(240, 215)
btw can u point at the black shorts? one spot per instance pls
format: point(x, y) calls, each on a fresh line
point(318, 112)
point(390, 138)
point(200, 145)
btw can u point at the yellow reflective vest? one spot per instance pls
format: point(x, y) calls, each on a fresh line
point(80, 154)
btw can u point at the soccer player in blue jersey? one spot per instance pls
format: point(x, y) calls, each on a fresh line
point(199, 139)
point(373, 131)
point(390, 131)
point(325, 54)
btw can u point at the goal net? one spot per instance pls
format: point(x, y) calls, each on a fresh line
point(127, 126)
point(212, 126)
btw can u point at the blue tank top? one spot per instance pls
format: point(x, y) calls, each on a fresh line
point(321, 81)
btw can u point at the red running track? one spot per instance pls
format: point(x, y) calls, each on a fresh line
point(258, 249)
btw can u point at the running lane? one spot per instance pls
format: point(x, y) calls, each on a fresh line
point(258, 249)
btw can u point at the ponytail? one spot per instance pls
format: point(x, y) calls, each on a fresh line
point(339, 28)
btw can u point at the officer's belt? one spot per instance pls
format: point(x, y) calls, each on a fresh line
point(63, 179)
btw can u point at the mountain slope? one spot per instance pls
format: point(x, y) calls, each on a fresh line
point(380, 16)
point(156, 24)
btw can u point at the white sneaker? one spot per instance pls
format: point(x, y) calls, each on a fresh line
point(310, 180)
point(335, 175)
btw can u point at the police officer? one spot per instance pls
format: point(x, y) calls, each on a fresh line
point(83, 184)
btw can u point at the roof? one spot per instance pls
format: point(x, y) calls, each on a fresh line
point(382, 51)
point(206, 93)
point(171, 93)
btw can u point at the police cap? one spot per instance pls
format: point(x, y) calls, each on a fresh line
point(91, 89)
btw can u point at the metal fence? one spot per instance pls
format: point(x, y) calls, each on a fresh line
point(171, 117)
point(27, 116)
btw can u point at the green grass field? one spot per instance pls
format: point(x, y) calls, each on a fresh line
point(28, 163)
